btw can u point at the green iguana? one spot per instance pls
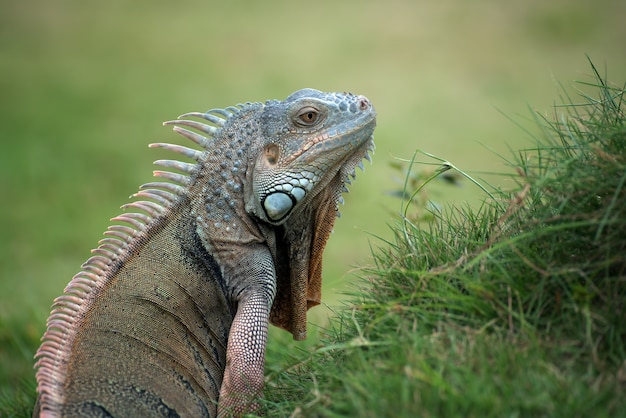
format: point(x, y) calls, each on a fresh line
point(170, 315)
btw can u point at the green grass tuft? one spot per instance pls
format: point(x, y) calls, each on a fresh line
point(513, 309)
point(17, 341)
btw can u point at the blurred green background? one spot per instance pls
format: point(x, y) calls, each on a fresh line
point(84, 87)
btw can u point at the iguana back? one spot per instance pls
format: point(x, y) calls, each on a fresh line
point(171, 312)
point(165, 320)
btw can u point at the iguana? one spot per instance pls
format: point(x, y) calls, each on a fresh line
point(170, 315)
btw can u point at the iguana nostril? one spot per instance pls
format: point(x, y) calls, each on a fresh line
point(364, 104)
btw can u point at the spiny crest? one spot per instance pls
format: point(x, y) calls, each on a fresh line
point(155, 200)
point(350, 170)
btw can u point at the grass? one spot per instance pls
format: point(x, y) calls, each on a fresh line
point(512, 309)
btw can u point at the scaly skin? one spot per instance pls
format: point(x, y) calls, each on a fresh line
point(170, 315)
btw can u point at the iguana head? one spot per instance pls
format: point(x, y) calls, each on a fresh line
point(310, 138)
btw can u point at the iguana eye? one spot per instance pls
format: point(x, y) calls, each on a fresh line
point(307, 116)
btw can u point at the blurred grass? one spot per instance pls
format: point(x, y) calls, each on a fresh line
point(85, 86)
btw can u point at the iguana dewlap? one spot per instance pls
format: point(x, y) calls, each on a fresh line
point(171, 312)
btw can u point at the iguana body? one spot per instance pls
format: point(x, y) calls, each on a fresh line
point(171, 313)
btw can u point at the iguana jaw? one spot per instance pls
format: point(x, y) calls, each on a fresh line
point(342, 152)
point(334, 145)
